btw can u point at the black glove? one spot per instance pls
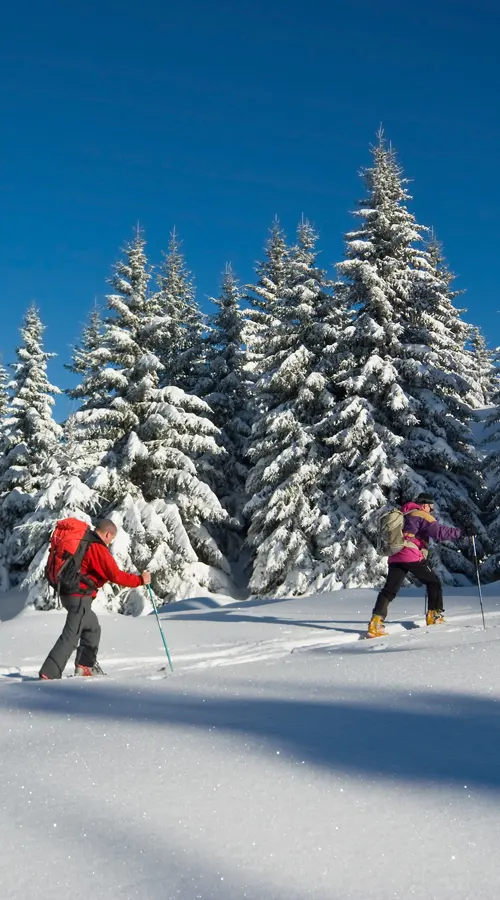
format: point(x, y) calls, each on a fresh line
point(469, 531)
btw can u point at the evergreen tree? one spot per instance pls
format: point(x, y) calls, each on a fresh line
point(490, 565)
point(62, 494)
point(264, 297)
point(90, 357)
point(109, 351)
point(484, 370)
point(292, 396)
point(225, 387)
point(31, 435)
point(95, 391)
point(435, 297)
point(178, 322)
point(441, 448)
point(155, 443)
point(400, 425)
point(367, 464)
point(490, 568)
point(4, 404)
point(4, 394)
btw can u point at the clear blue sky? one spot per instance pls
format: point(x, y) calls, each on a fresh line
point(215, 116)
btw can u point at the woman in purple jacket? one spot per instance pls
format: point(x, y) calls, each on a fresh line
point(419, 526)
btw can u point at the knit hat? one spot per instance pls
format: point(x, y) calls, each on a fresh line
point(424, 497)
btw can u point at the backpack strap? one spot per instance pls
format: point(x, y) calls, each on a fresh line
point(408, 535)
point(423, 546)
point(88, 538)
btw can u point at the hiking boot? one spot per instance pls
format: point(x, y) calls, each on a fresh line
point(89, 671)
point(376, 627)
point(435, 617)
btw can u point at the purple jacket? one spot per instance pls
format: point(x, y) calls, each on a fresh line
point(419, 526)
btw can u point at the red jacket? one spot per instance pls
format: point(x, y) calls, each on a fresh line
point(99, 565)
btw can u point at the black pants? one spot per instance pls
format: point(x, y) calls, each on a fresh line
point(81, 630)
point(397, 572)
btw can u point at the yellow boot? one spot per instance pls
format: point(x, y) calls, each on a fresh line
point(376, 627)
point(435, 617)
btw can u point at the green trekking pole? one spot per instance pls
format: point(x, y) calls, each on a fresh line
point(159, 626)
point(473, 539)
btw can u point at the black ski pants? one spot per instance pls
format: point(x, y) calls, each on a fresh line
point(81, 632)
point(397, 573)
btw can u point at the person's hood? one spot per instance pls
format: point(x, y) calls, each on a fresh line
point(407, 507)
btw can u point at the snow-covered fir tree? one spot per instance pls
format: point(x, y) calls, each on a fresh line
point(490, 568)
point(441, 447)
point(490, 564)
point(62, 494)
point(264, 297)
point(435, 295)
point(225, 387)
point(31, 436)
point(107, 349)
point(4, 394)
point(92, 363)
point(33, 432)
point(4, 403)
point(89, 359)
point(484, 369)
point(292, 396)
point(400, 425)
point(155, 444)
point(179, 324)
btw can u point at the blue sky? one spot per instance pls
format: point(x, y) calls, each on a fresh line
point(216, 116)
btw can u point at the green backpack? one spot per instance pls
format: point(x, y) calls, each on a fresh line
point(390, 538)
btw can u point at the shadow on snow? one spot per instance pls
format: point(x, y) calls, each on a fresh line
point(423, 737)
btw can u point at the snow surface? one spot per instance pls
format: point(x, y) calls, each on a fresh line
point(284, 759)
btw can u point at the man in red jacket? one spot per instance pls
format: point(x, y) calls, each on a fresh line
point(82, 629)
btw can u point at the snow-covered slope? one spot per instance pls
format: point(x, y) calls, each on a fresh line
point(284, 758)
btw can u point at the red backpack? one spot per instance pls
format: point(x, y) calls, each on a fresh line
point(70, 541)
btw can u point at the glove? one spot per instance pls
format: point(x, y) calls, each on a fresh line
point(469, 531)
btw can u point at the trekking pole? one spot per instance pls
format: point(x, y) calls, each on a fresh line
point(159, 626)
point(473, 539)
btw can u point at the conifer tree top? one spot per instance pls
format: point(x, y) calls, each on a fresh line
point(174, 278)
point(131, 275)
point(32, 392)
point(31, 434)
point(272, 271)
point(4, 396)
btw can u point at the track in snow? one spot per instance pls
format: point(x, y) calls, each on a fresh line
point(247, 652)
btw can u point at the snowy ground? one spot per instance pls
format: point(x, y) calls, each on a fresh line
point(284, 759)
